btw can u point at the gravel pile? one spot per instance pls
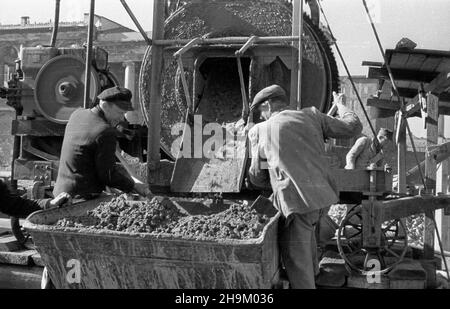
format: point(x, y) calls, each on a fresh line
point(157, 217)
point(238, 222)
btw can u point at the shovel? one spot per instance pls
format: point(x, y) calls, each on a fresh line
point(131, 172)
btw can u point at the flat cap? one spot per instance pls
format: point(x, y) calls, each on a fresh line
point(270, 92)
point(119, 96)
point(386, 132)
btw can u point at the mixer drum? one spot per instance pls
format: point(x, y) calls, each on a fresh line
point(221, 80)
point(60, 88)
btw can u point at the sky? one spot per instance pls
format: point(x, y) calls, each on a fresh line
point(426, 22)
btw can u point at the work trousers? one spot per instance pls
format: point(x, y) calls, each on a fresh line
point(298, 248)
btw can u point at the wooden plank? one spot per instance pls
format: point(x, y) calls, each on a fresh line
point(358, 180)
point(22, 257)
point(403, 75)
point(415, 62)
point(19, 277)
point(444, 66)
point(432, 63)
point(357, 281)
point(432, 122)
point(37, 127)
point(372, 64)
point(442, 183)
point(9, 244)
point(406, 207)
point(384, 104)
point(398, 60)
point(219, 170)
point(401, 161)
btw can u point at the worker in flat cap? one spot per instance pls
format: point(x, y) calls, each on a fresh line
point(288, 154)
point(367, 152)
point(88, 161)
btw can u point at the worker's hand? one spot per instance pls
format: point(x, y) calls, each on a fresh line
point(248, 127)
point(143, 190)
point(339, 99)
point(62, 200)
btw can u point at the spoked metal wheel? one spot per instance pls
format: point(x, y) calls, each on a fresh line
point(350, 244)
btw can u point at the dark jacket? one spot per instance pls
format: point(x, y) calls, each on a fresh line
point(18, 207)
point(88, 162)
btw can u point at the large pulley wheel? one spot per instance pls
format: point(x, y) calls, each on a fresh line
point(235, 18)
point(361, 259)
point(60, 86)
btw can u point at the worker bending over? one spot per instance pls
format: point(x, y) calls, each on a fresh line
point(292, 142)
point(88, 161)
point(367, 151)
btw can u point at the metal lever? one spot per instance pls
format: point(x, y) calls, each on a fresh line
point(179, 55)
point(239, 53)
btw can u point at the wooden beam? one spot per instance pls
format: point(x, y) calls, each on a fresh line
point(401, 162)
point(442, 221)
point(432, 122)
point(409, 206)
point(372, 64)
point(359, 180)
point(154, 129)
point(384, 104)
point(403, 75)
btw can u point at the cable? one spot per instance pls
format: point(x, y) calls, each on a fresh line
point(349, 75)
point(394, 87)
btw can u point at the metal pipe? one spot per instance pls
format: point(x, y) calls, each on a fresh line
point(227, 40)
point(154, 113)
point(246, 46)
point(187, 47)
point(295, 33)
point(136, 22)
point(300, 58)
point(87, 83)
point(56, 23)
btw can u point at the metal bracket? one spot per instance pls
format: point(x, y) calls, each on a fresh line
point(26, 145)
point(42, 172)
point(246, 46)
